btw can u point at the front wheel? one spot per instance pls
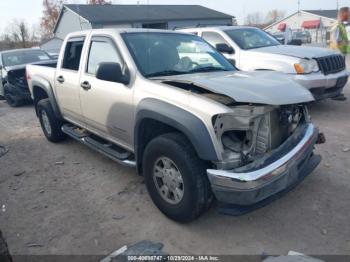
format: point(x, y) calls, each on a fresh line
point(50, 124)
point(176, 178)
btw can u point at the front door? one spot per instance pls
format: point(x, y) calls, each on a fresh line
point(107, 106)
point(67, 81)
point(215, 38)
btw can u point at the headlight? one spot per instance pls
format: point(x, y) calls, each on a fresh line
point(306, 66)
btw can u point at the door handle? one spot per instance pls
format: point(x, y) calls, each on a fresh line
point(85, 85)
point(60, 79)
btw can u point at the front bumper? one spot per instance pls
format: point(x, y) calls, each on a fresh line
point(20, 92)
point(323, 86)
point(251, 185)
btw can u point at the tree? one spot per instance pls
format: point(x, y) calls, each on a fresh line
point(275, 15)
point(254, 19)
point(51, 12)
point(18, 33)
point(23, 33)
point(98, 2)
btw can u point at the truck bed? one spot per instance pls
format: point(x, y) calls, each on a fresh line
point(45, 71)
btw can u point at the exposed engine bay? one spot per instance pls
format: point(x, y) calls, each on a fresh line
point(251, 131)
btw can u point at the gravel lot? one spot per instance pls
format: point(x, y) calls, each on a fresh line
point(68, 199)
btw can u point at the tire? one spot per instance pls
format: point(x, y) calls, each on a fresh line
point(11, 99)
point(196, 193)
point(50, 124)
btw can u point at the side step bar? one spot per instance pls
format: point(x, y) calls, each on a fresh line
point(102, 146)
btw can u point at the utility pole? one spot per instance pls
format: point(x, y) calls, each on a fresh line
point(337, 4)
point(299, 7)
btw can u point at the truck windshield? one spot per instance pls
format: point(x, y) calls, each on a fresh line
point(24, 57)
point(164, 54)
point(251, 38)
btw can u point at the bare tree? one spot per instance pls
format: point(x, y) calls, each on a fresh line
point(51, 12)
point(275, 15)
point(18, 35)
point(23, 33)
point(254, 19)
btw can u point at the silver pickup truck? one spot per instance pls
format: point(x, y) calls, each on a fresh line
point(322, 71)
point(170, 105)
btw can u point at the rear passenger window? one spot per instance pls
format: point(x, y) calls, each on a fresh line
point(214, 38)
point(101, 50)
point(72, 54)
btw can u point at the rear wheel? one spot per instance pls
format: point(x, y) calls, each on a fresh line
point(176, 178)
point(50, 124)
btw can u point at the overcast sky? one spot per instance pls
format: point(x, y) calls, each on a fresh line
point(31, 10)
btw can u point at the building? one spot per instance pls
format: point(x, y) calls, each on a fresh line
point(317, 22)
point(52, 46)
point(82, 17)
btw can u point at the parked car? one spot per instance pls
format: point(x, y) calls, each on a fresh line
point(13, 84)
point(172, 106)
point(304, 36)
point(322, 71)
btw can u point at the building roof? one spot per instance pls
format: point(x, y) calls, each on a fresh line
point(332, 14)
point(105, 14)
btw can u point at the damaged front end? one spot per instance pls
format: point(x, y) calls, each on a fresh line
point(251, 131)
point(16, 84)
point(265, 149)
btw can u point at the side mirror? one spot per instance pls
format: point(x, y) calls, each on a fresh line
point(225, 48)
point(112, 72)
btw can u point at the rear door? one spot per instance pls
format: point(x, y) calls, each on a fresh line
point(107, 106)
point(67, 80)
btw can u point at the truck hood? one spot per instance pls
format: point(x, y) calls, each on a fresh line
point(23, 66)
point(270, 88)
point(296, 51)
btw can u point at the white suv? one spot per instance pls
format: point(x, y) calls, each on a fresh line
point(321, 70)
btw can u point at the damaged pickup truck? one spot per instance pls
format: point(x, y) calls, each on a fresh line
point(13, 83)
point(170, 105)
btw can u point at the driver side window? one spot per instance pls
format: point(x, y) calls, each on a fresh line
point(214, 38)
point(101, 50)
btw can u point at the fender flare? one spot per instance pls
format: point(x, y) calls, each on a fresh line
point(46, 86)
point(187, 123)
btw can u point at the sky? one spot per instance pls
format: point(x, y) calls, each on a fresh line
point(31, 10)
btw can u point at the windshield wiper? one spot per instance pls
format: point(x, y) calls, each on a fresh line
point(207, 69)
point(166, 73)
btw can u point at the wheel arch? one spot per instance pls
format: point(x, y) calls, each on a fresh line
point(42, 89)
point(155, 117)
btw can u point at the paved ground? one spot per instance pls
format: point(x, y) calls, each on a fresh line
point(67, 199)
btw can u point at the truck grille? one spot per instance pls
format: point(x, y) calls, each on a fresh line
point(331, 64)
